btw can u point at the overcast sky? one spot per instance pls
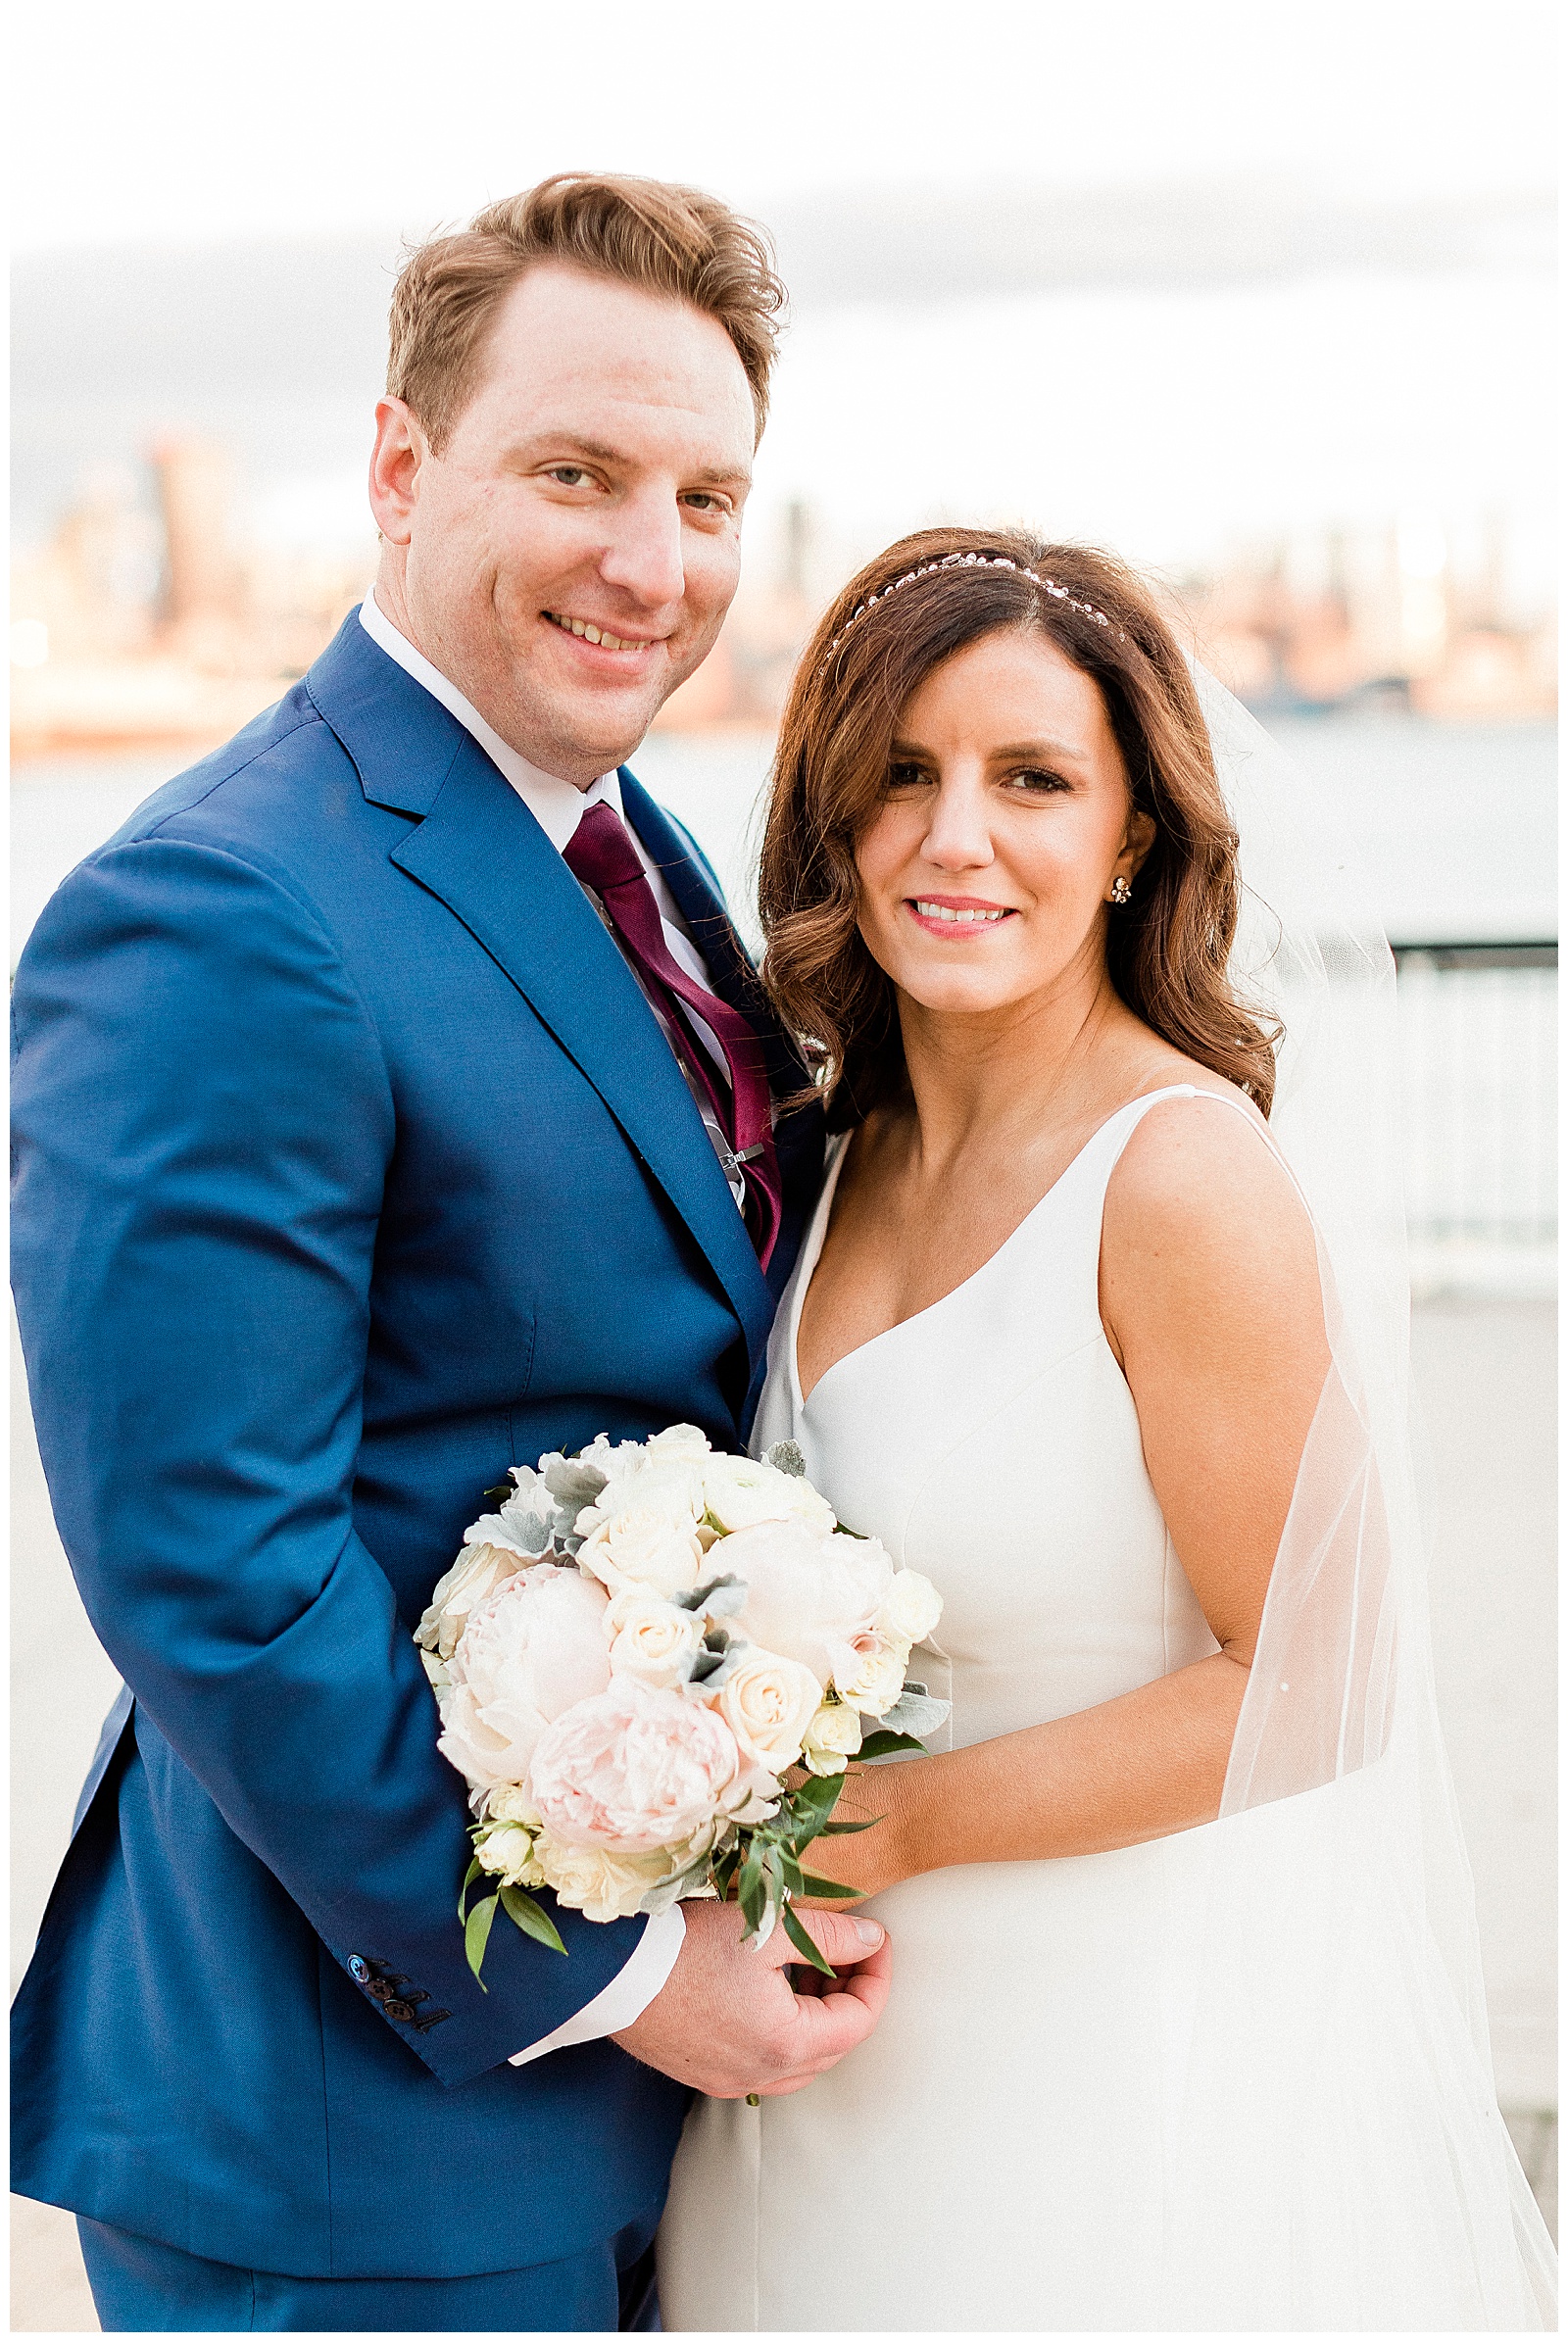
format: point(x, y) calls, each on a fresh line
point(143, 121)
point(1329, 308)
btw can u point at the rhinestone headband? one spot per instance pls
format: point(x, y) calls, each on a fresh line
point(973, 561)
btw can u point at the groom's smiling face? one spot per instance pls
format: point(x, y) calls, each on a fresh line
point(566, 557)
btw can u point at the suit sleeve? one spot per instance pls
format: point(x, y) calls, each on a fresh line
point(203, 1125)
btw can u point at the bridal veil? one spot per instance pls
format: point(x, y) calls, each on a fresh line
point(1361, 2177)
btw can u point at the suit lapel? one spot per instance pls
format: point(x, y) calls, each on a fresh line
point(481, 853)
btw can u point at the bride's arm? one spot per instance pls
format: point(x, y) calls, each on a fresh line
point(1210, 1298)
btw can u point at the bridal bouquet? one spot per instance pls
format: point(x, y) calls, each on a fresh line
point(632, 1652)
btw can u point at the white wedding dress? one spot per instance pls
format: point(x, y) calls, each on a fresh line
point(1012, 2148)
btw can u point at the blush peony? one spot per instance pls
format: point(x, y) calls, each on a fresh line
point(633, 1770)
point(807, 1593)
point(529, 1652)
point(471, 1579)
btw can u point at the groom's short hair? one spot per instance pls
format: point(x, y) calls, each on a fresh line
point(644, 232)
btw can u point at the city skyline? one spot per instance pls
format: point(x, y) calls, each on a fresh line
point(133, 624)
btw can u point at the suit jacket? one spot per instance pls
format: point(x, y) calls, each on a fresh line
point(351, 1168)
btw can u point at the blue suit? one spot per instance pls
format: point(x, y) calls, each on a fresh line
point(353, 1167)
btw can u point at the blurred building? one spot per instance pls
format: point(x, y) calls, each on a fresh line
point(153, 614)
point(1404, 618)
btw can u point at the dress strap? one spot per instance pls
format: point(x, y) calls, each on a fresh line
point(1122, 1123)
point(1255, 1123)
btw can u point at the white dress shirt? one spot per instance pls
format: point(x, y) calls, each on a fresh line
point(558, 807)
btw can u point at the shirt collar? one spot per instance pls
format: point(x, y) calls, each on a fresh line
point(555, 805)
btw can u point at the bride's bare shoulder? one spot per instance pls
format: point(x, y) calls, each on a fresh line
point(1201, 1198)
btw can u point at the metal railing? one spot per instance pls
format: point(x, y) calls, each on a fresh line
point(1477, 1027)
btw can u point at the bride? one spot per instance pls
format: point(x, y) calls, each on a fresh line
point(1184, 2029)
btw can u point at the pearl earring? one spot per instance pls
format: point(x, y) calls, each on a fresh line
point(1121, 890)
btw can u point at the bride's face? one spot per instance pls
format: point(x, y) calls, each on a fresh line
point(986, 876)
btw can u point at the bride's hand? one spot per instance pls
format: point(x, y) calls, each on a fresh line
point(868, 1859)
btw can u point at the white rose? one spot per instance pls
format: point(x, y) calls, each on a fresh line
point(666, 1487)
point(912, 1610)
point(532, 1651)
point(738, 1492)
point(507, 1853)
point(511, 1803)
point(832, 1738)
point(473, 1579)
point(654, 1640)
point(592, 1880)
point(682, 1441)
point(805, 1590)
point(650, 1548)
point(868, 1673)
point(768, 1702)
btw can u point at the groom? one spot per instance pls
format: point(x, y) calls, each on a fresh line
point(392, 1106)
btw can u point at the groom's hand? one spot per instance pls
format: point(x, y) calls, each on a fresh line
point(727, 2021)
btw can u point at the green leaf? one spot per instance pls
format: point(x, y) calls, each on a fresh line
point(476, 1934)
point(773, 1878)
point(532, 1917)
point(803, 1942)
point(751, 1894)
point(849, 1828)
point(818, 1794)
point(878, 1744)
point(829, 1889)
point(469, 1878)
point(724, 1870)
point(807, 1809)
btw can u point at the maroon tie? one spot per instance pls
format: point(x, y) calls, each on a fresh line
point(603, 856)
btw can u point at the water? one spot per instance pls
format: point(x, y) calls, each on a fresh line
point(1455, 825)
point(1452, 829)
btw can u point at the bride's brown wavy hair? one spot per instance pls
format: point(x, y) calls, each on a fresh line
point(1166, 951)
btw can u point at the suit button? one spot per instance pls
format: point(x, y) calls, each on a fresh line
point(356, 1968)
point(379, 1989)
point(399, 2009)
